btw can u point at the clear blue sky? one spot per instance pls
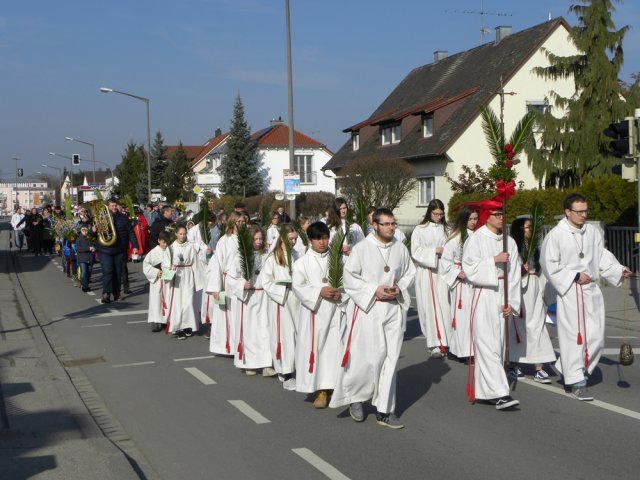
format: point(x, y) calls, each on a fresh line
point(192, 57)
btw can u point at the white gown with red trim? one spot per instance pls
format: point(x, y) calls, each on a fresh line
point(580, 310)
point(432, 292)
point(487, 322)
point(283, 309)
point(378, 330)
point(319, 326)
point(157, 287)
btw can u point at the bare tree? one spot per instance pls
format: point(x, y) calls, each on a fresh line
point(377, 181)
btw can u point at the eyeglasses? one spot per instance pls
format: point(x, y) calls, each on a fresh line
point(581, 212)
point(388, 224)
point(498, 214)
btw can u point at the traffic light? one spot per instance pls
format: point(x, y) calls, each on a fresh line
point(75, 159)
point(20, 172)
point(626, 138)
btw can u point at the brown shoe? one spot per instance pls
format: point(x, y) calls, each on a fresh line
point(321, 399)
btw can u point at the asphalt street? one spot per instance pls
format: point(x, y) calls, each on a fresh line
point(183, 414)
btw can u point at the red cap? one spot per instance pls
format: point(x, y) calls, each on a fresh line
point(484, 209)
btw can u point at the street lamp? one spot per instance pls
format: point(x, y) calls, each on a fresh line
point(15, 186)
point(146, 101)
point(93, 150)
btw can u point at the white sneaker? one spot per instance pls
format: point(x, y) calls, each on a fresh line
point(436, 353)
point(289, 384)
point(269, 372)
point(542, 377)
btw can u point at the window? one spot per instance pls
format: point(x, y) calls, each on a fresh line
point(355, 140)
point(427, 125)
point(426, 192)
point(304, 166)
point(537, 106)
point(390, 134)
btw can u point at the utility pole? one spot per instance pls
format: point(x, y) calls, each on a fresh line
point(292, 159)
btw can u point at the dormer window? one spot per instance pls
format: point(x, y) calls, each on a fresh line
point(390, 134)
point(427, 125)
point(355, 141)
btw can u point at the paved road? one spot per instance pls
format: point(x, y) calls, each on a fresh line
point(186, 415)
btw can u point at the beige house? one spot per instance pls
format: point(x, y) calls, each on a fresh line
point(432, 118)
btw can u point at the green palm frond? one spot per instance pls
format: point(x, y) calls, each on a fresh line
point(284, 235)
point(492, 132)
point(129, 203)
point(245, 251)
point(265, 216)
point(361, 214)
point(68, 212)
point(522, 133)
point(537, 216)
point(98, 194)
point(203, 223)
point(301, 233)
point(335, 268)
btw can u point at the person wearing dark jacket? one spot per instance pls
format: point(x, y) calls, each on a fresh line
point(83, 252)
point(111, 258)
point(159, 225)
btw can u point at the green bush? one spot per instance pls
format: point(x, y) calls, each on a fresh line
point(611, 200)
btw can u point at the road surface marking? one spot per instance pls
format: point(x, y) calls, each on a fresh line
point(205, 379)
point(132, 364)
point(327, 469)
point(611, 351)
point(138, 321)
point(121, 313)
point(192, 358)
point(99, 325)
point(90, 293)
point(596, 403)
point(248, 411)
point(623, 337)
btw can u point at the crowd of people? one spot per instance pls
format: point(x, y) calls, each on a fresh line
point(332, 326)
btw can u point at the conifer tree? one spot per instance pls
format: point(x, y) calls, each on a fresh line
point(177, 182)
point(241, 169)
point(130, 170)
point(158, 160)
point(574, 145)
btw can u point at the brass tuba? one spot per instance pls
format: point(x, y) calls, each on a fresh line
point(103, 222)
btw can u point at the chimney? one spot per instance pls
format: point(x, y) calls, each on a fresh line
point(439, 55)
point(502, 32)
point(218, 132)
point(275, 122)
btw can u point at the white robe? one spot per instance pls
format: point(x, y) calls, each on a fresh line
point(560, 263)
point(194, 236)
point(181, 313)
point(158, 287)
point(376, 328)
point(222, 339)
point(300, 247)
point(460, 293)
point(283, 308)
point(529, 340)
point(432, 292)
point(251, 320)
point(487, 322)
point(319, 325)
point(273, 233)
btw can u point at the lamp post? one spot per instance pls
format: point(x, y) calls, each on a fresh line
point(292, 158)
point(146, 102)
point(15, 185)
point(93, 152)
point(70, 173)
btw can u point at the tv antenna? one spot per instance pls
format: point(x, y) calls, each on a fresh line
point(483, 30)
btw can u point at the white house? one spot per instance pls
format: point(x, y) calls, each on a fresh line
point(432, 118)
point(273, 150)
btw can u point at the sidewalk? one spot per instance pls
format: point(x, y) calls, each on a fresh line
point(46, 431)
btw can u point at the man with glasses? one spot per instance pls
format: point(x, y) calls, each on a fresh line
point(483, 263)
point(377, 276)
point(573, 259)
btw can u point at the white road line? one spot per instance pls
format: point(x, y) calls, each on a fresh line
point(611, 351)
point(192, 358)
point(138, 321)
point(99, 300)
point(596, 403)
point(121, 313)
point(327, 469)
point(90, 293)
point(622, 337)
point(200, 375)
point(249, 411)
point(132, 364)
point(100, 325)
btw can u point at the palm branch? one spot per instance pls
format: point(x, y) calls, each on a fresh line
point(522, 133)
point(129, 203)
point(265, 216)
point(536, 231)
point(492, 132)
point(361, 214)
point(301, 233)
point(203, 223)
point(68, 212)
point(335, 267)
point(245, 250)
point(284, 235)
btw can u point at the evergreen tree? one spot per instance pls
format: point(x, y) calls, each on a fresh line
point(573, 145)
point(129, 171)
point(159, 160)
point(241, 169)
point(178, 178)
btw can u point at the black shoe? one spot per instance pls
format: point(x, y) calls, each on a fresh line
point(188, 332)
point(388, 420)
point(157, 327)
point(86, 289)
point(105, 299)
point(127, 291)
point(505, 402)
point(181, 335)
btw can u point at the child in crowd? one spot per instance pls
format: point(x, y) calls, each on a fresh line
point(83, 253)
point(152, 269)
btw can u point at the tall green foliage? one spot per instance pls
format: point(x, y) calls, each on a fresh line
point(573, 145)
point(159, 161)
point(130, 170)
point(241, 169)
point(178, 181)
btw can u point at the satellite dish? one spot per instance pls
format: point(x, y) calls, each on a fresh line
point(279, 196)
